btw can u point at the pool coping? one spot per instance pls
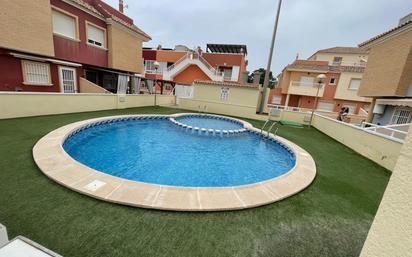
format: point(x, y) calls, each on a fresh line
point(55, 163)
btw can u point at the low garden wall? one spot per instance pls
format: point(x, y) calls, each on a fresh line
point(382, 149)
point(379, 148)
point(22, 104)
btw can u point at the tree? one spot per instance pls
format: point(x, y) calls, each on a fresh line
point(262, 71)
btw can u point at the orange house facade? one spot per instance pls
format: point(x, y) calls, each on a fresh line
point(183, 66)
point(343, 67)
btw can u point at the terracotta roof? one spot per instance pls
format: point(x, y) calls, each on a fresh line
point(323, 66)
point(106, 11)
point(386, 33)
point(343, 50)
point(87, 6)
point(225, 83)
point(308, 65)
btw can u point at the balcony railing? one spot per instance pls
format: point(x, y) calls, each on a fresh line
point(356, 64)
point(398, 131)
point(305, 88)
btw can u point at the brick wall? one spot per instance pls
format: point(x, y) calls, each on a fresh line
point(389, 68)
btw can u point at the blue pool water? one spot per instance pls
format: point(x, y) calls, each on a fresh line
point(159, 152)
point(209, 123)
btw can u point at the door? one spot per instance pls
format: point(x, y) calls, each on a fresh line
point(326, 106)
point(276, 99)
point(68, 79)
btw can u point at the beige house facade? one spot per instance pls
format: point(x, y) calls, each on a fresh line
point(388, 75)
point(343, 67)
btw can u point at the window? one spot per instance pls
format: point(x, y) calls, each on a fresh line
point(351, 107)
point(224, 93)
point(64, 24)
point(354, 84)
point(337, 60)
point(150, 68)
point(332, 81)
point(401, 115)
point(227, 73)
point(92, 76)
point(36, 73)
point(95, 35)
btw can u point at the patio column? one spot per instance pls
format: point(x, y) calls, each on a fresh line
point(287, 100)
point(370, 112)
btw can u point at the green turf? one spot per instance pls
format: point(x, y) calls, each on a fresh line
point(291, 123)
point(330, 218)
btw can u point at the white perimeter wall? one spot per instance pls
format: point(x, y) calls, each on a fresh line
point(13, 105)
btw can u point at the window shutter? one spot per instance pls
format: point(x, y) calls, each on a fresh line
point(354, 84)
point(64, 24)
point(96, 35)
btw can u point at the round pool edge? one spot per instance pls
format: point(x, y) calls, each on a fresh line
point(55, 163)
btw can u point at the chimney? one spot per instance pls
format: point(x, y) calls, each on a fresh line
point(256, 78)
point(121, 6)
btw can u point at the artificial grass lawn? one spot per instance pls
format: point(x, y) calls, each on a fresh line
point(330, 218)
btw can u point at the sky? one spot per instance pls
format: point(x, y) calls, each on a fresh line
point(305, 26)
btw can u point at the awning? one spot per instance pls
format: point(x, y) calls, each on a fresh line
point(226, 48)
point(41, 59)
point(395, 102)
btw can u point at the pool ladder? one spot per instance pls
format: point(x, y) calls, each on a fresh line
point(270, 128)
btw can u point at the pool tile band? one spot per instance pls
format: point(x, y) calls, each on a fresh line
point(55, 163)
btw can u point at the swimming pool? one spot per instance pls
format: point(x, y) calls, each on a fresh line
point(159, 152)
point(183, 162)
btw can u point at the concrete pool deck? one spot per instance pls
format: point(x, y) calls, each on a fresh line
point(54, 162)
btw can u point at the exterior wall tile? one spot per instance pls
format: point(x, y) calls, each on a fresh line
point(125, 50)
point(30, 30)
point(389, 68)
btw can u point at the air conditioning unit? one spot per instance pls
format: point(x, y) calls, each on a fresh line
point(4, 239)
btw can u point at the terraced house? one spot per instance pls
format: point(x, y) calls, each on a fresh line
point(69, 46)
point(182, 66)
point(388, 76)
point(343, 67)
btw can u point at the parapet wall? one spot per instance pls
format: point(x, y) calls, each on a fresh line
point(22, 104)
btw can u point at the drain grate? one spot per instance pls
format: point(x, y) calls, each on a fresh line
point(94, 185)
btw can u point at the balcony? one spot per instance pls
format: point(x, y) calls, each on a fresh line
point(354, 64)
point(305, 88)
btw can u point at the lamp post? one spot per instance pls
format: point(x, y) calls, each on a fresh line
point(269, 64)
point(319, 79)
point(156, 65)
